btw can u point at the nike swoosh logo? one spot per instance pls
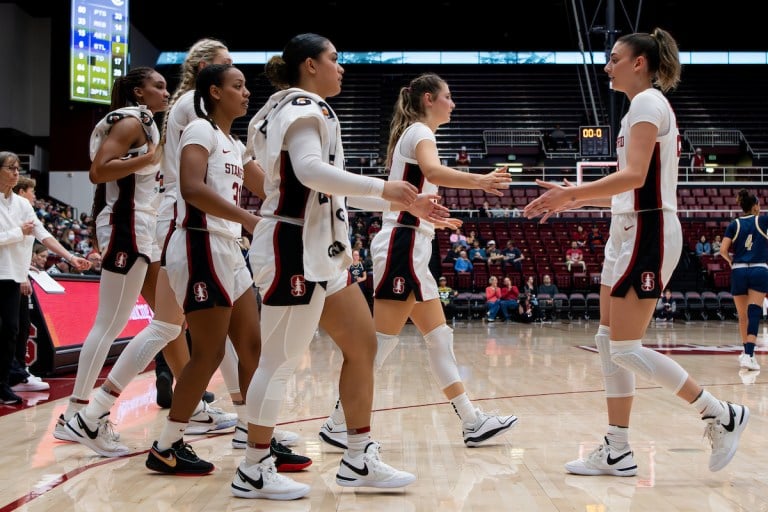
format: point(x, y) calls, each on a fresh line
point(730, 426)
point(93, 433)
point(226, 151)
point(169, 461)
point(209, 420)
point(612, 461)
point(627, 228)
point(256, 483)
point(361, 472)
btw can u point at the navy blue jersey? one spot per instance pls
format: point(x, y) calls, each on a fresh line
point(750, 241)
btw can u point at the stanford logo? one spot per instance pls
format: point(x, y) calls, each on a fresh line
point(121, 260)
point(201, 292)
point(398, 285)
point(647, 281)
point(298, 286)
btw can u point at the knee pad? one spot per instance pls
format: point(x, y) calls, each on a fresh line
point(148, 343)
point(619, 382)
point(442, 361)
point(386, 344)
point(754, 314)
point(648, 363)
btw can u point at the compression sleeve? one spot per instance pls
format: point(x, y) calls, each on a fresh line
point(304, 148)
point(368, 203)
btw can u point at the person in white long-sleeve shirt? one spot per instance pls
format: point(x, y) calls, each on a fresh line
point(19, 226)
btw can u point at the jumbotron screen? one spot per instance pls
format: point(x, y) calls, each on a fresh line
point(98, 48)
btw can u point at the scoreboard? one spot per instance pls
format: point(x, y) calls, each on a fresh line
point(595, 141)
point(98, 48)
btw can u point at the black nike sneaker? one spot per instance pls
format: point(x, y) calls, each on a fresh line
point(263, 481)
point(368, 470)
point(285, 460)
point(179, 459)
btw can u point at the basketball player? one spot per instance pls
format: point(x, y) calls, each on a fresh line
point(122, 151)
point(642, 251)
point(746, 238)
point(403, 284)
point(205, 266)
point(299, 255)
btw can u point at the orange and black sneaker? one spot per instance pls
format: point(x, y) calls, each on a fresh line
point(285, 460)
point(179, 459)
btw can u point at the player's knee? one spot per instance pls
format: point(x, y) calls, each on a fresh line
point(442, 361)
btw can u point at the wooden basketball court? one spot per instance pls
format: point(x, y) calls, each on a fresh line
point(537, 372)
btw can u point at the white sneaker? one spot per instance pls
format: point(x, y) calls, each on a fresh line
point(334, 434)
point(210, 419)
point(486, 427)
point(604, 460)
point(286, 437)
point(263, 481)
point(724, 438)
point(32, 383)
point(368, 470)
point(98, 437)
point(61, 432)
point(745, 361)
point(240, 439)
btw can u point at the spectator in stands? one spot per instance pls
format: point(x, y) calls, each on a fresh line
point(703, 246)
point(558, 139)
point(666, 307)
point(575, 256)
point(494, 253)
point(643, 249)
point(716, 243)
point(462, 263)
point(453, 254)
point(529, 289)
point(68, 239)
point(95, 258)
point(457, 237)
point(745, 238)
point(447, 294)
point(471, 237)
point(463, 159)
point(374, 227)
point(580, 236)
point(510, 295)
point(547, 289)
point(513, 257)
point(595, 239)
point(698, 160)
point(477, 253)
point(493, 300)
point(485, 210)
point(359, 229)
point(39, 257)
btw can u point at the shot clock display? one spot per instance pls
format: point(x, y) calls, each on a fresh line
point(595, 141)
point(98, 48)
